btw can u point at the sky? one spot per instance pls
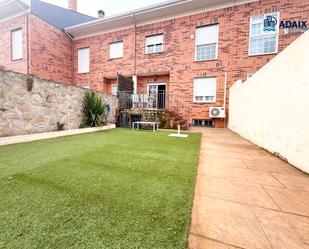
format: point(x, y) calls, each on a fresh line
point(110, 7)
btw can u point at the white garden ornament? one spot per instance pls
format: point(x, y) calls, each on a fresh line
point(178, 133)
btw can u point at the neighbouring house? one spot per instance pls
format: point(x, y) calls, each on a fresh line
point(178, 57)
point(33, 40)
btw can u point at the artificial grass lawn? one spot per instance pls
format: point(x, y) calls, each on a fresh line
point(110, 189)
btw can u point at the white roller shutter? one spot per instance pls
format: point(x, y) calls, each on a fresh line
point(17, 44)
point(207, 34)
point(83, 60)
point(116, 50)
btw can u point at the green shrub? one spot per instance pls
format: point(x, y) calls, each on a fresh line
point(93, 109)
point(82, 126)
point(60, 126)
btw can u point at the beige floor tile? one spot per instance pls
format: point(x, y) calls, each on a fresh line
point(256, 176)
point(294, 182)
point(231, 162)
point(247, 198)
point(236, 155)
point(238, 191)
point(216, 170)
point(196, 242)
point(232, 223)
point(284, 230)
point(289, 200)
point(273, 165)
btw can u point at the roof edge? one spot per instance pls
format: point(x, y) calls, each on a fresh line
point(131, 13)
point(143, 10)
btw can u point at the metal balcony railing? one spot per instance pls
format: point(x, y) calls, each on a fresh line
point(156, 100)
point(152, 100)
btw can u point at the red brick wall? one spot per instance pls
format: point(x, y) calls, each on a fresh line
point(5, 44)
point(50, 51)
point(177, 60)
point(101, 66)
point(143, 81)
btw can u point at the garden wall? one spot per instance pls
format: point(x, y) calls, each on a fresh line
point(39, 110)
point(271, 109)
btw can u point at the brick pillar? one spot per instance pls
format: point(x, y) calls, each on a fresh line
point(73, 5)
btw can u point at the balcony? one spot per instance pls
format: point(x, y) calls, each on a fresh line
point(153, 100)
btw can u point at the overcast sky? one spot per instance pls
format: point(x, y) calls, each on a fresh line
point(110, 7)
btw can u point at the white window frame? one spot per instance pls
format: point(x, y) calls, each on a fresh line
point(113, 88)
point(276, 32)
point(79, 64)
point(157, 98)
point(16, 55)
point(204, 97)
point(110, 50)
point(155, 45)
point(217, 42)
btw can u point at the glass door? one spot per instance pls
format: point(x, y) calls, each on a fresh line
point(157, 95)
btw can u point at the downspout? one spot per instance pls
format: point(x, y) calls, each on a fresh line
point(233, 63)
point(224, 102)
point(28, 54)
point(134, 62)
point(134, 77)
point(72, 71)
point(72, 55)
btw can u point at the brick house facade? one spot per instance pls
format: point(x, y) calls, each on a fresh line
point(47, 49)
point(175, 65)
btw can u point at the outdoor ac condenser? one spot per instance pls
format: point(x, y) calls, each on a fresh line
point(217, 112)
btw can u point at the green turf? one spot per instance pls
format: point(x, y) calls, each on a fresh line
point(110, 189)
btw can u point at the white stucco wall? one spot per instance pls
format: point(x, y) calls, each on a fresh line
point(271, 109)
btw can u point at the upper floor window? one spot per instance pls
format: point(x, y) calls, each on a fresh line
point(206, 42)
point(264, 38)
point(205, 90)
point(17, 44)
point(154, 44)
point(116, 50)
point(83, 60)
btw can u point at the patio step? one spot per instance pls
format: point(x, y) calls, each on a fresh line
point(175, 119)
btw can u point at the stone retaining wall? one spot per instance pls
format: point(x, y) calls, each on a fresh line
point(26, 112)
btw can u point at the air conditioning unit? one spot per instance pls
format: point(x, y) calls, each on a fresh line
point(217, 112)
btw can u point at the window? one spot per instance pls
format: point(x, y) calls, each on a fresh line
point(17, 44)
point(154, 44)
point(206, 42)
point(205, 90)
point(116, 50)
point(114, 89)
point(83, 60)
point(203, 122)
point(263, 41)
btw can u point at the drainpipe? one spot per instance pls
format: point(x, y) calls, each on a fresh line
point(134, 77)
point(224, 101)
point(72, 54)
point(72, 71)
point(28, 57)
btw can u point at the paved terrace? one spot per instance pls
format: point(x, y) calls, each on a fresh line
point(247, 198)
